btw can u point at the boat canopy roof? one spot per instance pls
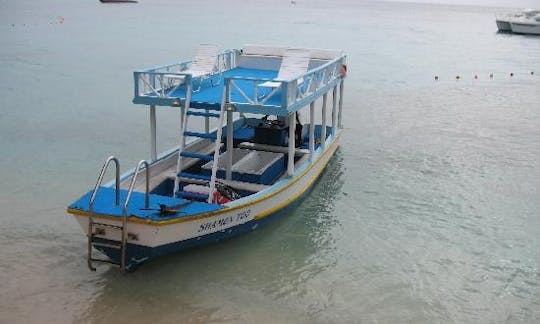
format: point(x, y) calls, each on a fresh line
point(257, 79)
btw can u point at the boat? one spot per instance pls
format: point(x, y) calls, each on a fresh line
point(503, 23)
point(256, 162)
point(519, 19)
point(526, 25)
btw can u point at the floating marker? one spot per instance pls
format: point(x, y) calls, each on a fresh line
point(476, 76)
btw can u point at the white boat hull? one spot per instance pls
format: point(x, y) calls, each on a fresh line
point(525, 28)
point(503, 25)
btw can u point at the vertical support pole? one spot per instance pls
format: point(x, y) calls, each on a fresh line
point(311, 130)
point(292, 146)
point(153, 146)
point(182, 113)
point(340, 114)
point(323, 130)
point(228, 170)
point(334, 111)
point(183, 124)
point(284, 94)
point(206, 123)
point(136, 76)
point(224, 101)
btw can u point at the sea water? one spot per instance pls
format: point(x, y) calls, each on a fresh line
point(429, 213)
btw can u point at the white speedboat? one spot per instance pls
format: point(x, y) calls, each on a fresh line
point(526, 25)
point(525, 22)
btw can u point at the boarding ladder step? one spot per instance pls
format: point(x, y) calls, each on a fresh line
point(108, 226)
point(194, 155)
point(200, 135)
point(195, 176)
point(113, 244)
point(206, 107)
point(202, 114)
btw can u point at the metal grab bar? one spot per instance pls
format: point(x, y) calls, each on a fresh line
point(100, 179)
point(93, 198)
point(126, 204)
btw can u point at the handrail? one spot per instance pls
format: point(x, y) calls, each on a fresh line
point(100, 179)
point(151, 82)
point(126, 204)
point(293, 91)
point(224, 102)
point(93, 198)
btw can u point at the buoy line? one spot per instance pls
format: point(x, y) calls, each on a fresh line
point(490, 76)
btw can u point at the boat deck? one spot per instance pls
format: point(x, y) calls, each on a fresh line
point(105, 205)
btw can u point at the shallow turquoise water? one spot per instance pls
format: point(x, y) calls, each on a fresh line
point(429, 213)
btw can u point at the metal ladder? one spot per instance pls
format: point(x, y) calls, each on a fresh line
point(187, 111)
point(96, 228)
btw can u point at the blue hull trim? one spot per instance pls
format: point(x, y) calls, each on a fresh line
point(136, 255)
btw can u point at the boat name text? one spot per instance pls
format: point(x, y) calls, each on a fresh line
point(225, 221)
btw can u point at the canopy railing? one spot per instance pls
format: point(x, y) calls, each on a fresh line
point(249, 90)
point(163, 81)
point(246, 91)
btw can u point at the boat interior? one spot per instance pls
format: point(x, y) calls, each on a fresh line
point(259, 160)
